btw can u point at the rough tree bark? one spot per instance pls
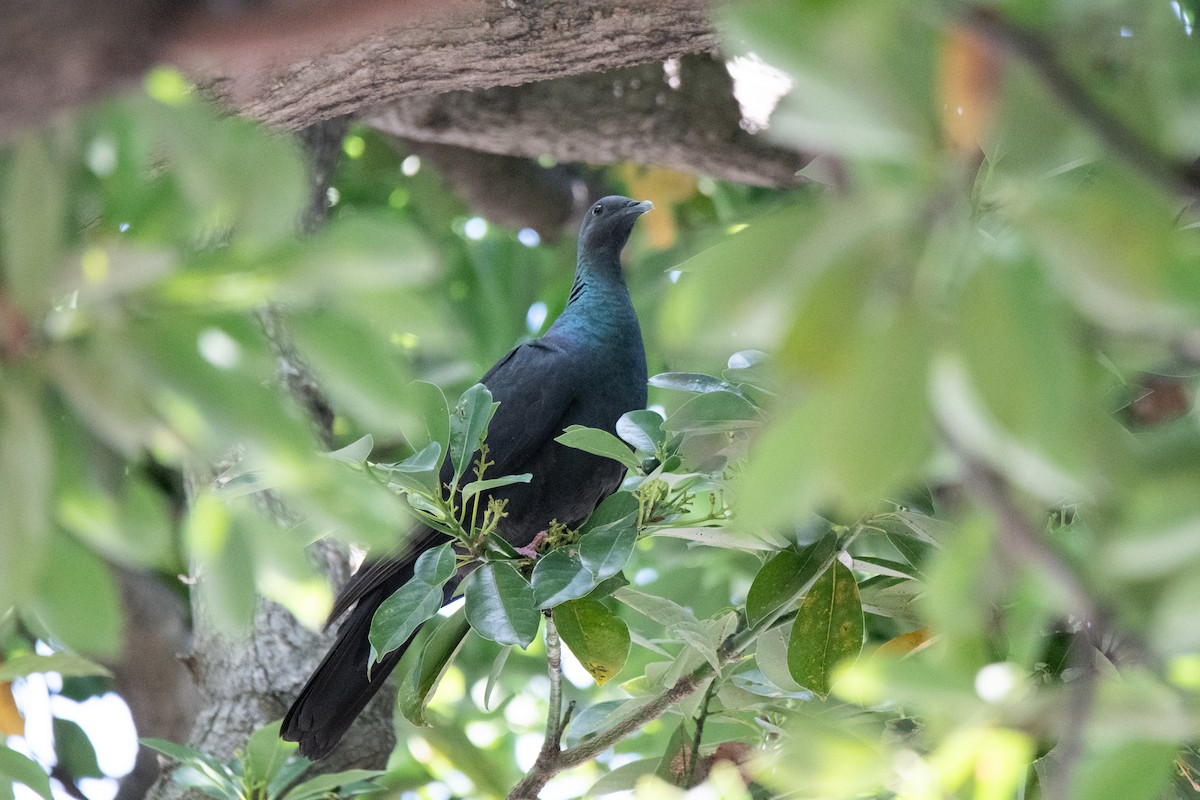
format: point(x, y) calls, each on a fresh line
point(293, 63)
point(623, 115)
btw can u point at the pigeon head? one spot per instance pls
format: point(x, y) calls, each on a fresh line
point(606, 226)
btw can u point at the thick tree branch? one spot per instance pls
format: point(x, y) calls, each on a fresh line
point(690, 122)
point(292, 63)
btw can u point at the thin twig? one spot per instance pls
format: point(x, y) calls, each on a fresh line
point(554, 721)
point(1035, 50)
point(701, 715)
point(553, 761)
point(1023, 540)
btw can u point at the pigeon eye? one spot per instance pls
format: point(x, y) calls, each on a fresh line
point(598, 210)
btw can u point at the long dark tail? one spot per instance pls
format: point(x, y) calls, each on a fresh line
point(339, 689)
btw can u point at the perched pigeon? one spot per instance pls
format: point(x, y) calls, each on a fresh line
point(589, 369)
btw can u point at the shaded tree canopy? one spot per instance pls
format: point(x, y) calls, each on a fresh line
point(910, 513)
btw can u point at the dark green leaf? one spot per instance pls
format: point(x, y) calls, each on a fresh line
point(424, 663)
point(74, 750)
point(606, 587)
point(436, 565)
point(598, 442)
point(558, 577)
point(828, 629)
point(401, 614)
point(597, 637)
point(782, 580)
point(500, 605)
point(605, 552)
point(642, 429)
point(616, 510)
point(468, 424)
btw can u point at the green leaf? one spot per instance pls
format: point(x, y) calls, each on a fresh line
point(475, 487)
point(597, 637)
point(425, 662)
point(65, 664)
point(266, 754)
point(224, 560)
point(615, 511)
point(26, 461)
point(623, 778)
point(558, 577)
point(494, 675)
point(133, 524)
point(600, 443)
point(21, 769)
point(77, 601)
point(667, 613)
point(74, 750)
point(1027, 377)
point(1126, 769)
point(500, 605)
point(399, 616)
point(783, 579)
point(198, 770)
point(747, 366)
point(725, 538)
point(417, 473)
point(436, 565)
point(432, 423)
point(642, 429)
point(604, 552)
point(335, 784)
point(675, 765)
point(361, 372)
point(356, 453)
point(714, 411)
point(33, 222)
point(771, 655)
point(468, 424)
point(828, 629)
point(694, 382)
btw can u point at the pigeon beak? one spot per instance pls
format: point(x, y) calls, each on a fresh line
point(640, 208)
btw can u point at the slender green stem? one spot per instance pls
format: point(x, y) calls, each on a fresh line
point(701, 715)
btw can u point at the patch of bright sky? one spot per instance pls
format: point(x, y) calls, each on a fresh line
point(105, 719)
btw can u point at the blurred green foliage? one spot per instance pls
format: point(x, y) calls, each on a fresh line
point(940, 543)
